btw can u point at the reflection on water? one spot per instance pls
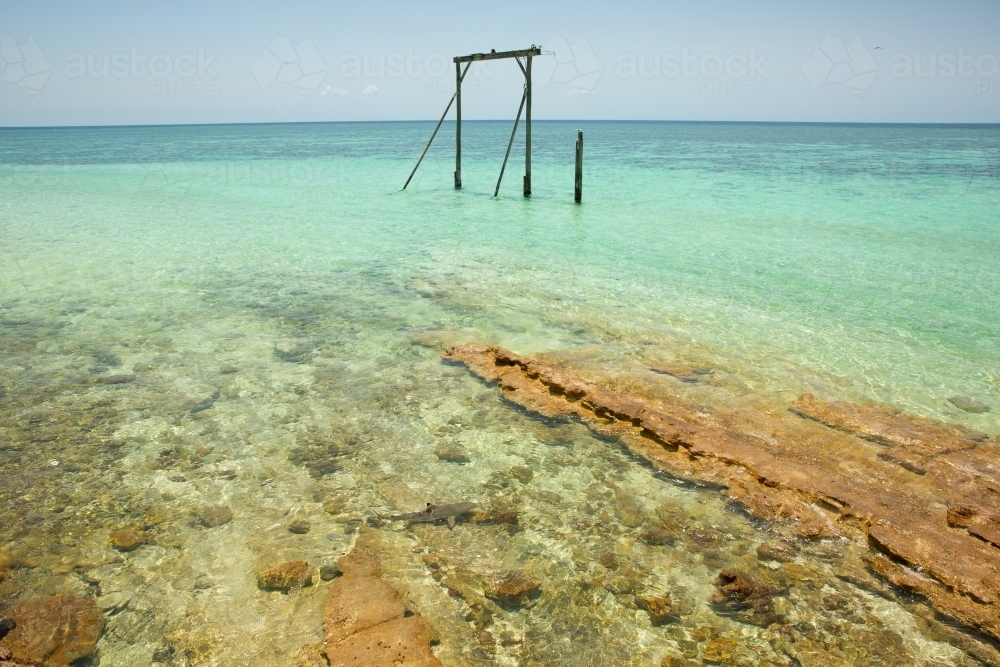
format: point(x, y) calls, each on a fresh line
point(201, 382)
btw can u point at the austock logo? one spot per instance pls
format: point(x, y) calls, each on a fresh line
point(834, 62)
point(733, 74)
point(23, 64)
point(299, 65)
point(574, 66)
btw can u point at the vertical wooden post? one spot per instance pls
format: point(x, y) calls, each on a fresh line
point(527, 130)
point(578, 182)
point(458, 126)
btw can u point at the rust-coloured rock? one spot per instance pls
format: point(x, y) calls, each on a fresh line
point(127, 539)
point(285, 577)
point(719, 650)
point(869, 473)
point(960, 516)
point(510, 586)
point(366, 620)
point(357, 603)
point(362, 561)
point(911, 441)
point(54, 631)
point(674, 660)
point(403, 641)
point(659, 607)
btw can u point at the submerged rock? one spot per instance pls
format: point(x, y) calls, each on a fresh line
point(297, 355)
point(54, 631)
point(523, 474)
point(783, 552)
point(211, 516)
point(828, 552)
point(299, 527)
point(205, 403)
point(512, 587)
point(659, 607)
point(127, 539)
point(311, 656)
point(881, 648)
point(367, 623)
point(658, 536)
point(5, 658)
point(154, 517)
point(285, 577)
point(452, 453)
point(628, 509)
point(749, 600)
point(719, 650)
point(968, 404)
point(116, 379)
point(674, 660)
point(318, 456)
point(6, 625)
point(499, 513)
point(329, 571)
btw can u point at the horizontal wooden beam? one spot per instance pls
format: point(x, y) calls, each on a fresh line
point(496, 55)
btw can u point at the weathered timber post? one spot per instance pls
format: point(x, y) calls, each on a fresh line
point(578, 182)
point(458, 126)
point(527, 129)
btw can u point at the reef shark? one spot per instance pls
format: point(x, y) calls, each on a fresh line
point(434, 512)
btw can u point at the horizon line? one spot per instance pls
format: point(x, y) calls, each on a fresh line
point(506, 120)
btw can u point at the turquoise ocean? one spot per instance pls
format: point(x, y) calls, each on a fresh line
point(283, 307)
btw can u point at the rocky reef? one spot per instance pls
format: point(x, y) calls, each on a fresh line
point(922, 496)
point(367, 621)
point(53, 631)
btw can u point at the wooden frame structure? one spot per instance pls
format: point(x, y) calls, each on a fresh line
point(460, 73)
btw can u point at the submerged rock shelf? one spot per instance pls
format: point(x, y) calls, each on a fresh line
point(366, 620)
point(920, 496)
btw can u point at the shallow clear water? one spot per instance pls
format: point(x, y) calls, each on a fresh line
point(859, 262)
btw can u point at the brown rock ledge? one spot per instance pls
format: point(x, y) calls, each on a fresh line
point(54, 631)
point(892, 495)
point(367, 624)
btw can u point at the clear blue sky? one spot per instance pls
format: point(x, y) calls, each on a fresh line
point(88, 63)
